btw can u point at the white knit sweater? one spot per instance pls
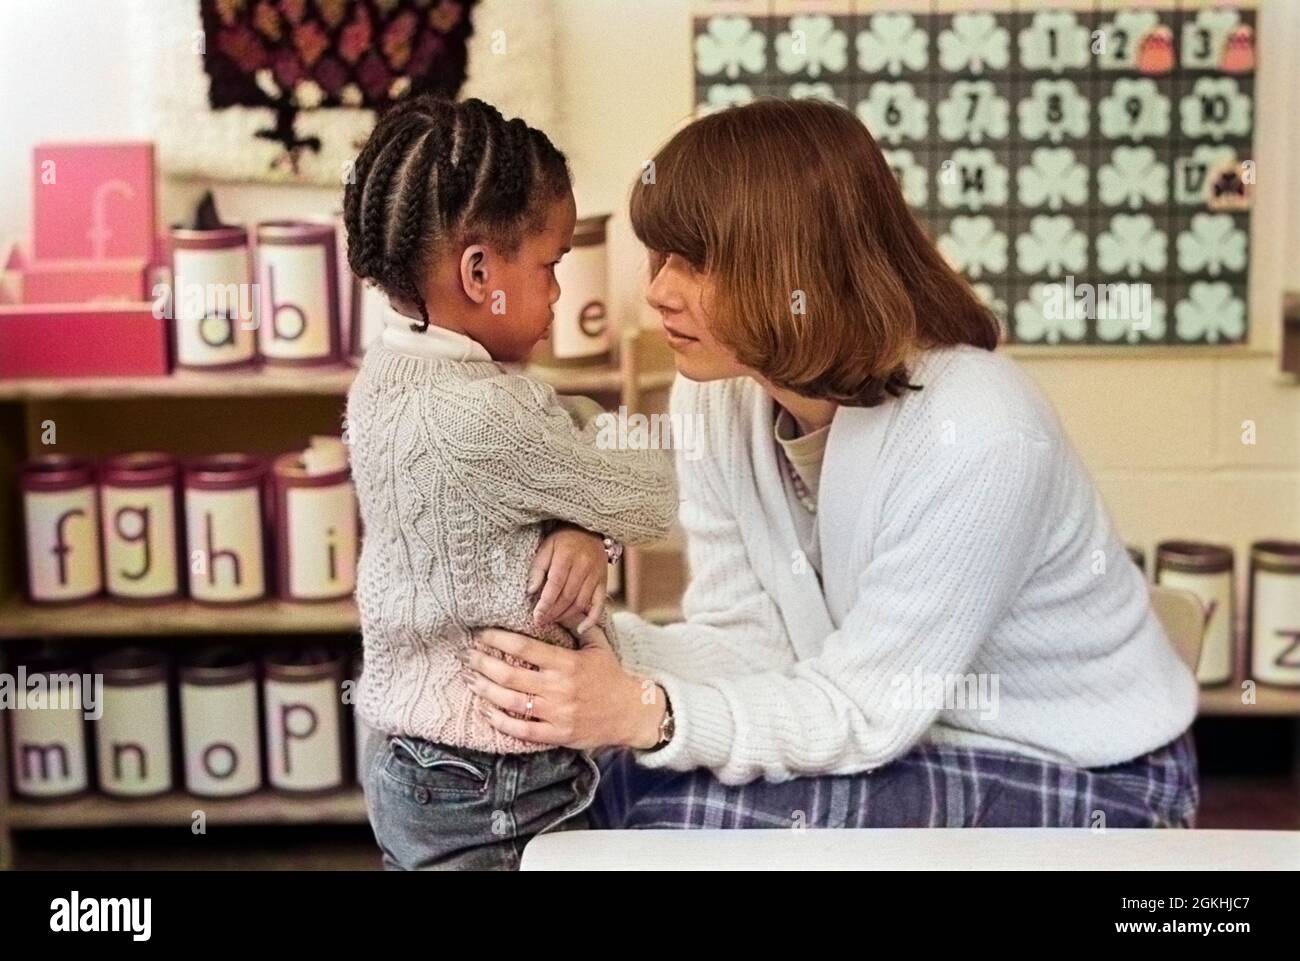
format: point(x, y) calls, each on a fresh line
point(960, 535)
point(460, 466)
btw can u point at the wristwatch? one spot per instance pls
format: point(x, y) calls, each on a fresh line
point(668, 726)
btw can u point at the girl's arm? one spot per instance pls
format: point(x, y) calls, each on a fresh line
point(955, 549)
point(732, 626)
point(518, 453)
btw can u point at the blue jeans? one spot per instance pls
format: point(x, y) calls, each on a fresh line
point(434, 807)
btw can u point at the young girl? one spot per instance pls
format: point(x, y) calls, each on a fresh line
point(484, 497)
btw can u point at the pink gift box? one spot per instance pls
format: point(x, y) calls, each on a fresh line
point(82, 340)
point(84, 281)
point(94, 202)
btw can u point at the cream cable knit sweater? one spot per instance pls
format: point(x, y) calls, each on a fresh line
point(962, 540)
point(458, 466)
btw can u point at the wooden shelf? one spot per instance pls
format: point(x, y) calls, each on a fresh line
point(275, 382)
point(176, 809)
point(1269, 702)
point(185, 383)
point(105, 618)
point(663, 614)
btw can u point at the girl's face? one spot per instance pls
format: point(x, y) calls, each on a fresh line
point(681, 294)
point(521, 291)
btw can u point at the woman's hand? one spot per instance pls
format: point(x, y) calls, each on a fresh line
point(582, 699)
point(569, 569)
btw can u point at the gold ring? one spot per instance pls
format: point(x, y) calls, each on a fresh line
point(528, 709)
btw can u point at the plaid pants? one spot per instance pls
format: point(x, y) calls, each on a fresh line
point(932, 786)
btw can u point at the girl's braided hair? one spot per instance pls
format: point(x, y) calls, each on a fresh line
point(436, 173)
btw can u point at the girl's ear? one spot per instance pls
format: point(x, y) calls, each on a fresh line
point(474, 273)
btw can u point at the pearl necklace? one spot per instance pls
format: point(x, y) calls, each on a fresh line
point(801, 491)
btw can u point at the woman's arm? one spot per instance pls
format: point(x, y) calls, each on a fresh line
point(732, 626)
point(953, 552)
point(518, 453)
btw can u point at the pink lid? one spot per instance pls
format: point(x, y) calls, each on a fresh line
point(149, 468)
point(55, 472)
point(224, 471)
point(218, 238)
point(294, 232)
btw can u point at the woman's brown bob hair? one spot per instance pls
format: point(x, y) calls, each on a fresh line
point(824, 282)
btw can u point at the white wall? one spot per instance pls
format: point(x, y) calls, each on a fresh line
point(63, 76)
point(626, 84)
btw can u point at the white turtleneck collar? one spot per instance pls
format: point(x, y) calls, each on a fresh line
point(434, 342)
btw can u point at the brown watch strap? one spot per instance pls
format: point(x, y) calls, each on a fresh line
point(668, 724)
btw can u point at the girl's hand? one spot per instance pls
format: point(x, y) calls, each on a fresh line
point(582, 699)
point(569, 569)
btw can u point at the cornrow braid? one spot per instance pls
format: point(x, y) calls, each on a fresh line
point(434, 174)
point(403, 240)
point(374, 196)
point(471, 145)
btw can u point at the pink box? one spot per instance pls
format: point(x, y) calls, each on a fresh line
point(82, 340)
point(84, 281)
point(11, 276)
point(94, 202)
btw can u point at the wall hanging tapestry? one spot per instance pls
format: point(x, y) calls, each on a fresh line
point(286, 90)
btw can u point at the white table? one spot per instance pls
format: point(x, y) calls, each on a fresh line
point(1059, 849)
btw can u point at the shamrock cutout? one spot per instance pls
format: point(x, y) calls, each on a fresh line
point(723, 95)
point(1054, 41)
point(1133, 176)
point(812, 44)
point(973, 111)
point(1122, 37)
point(1134, 108)
point(1054, 110)
point(973, 178)
point(894, 112)
point(893, 42)
point(911, 176)
point(814, 91)
point(1053, 178)
point(1216, 108)
point(1206, 37)
point(1131, 245)
point(1052, 246)
point(989, 298)
point(1214, 244)
point(1191, 173)
point(1042, 318)
point(1113, 324)
point(974, 42)
point(1211, 311)
point(730, 45)
point(973, 245)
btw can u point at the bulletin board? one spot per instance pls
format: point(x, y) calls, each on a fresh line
point(1087, 164)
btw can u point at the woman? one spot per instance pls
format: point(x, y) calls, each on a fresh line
point(908, 605)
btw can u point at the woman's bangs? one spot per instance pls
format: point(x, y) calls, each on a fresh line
point(670, 206)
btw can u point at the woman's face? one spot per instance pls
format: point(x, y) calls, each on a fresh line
point(681, 294)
